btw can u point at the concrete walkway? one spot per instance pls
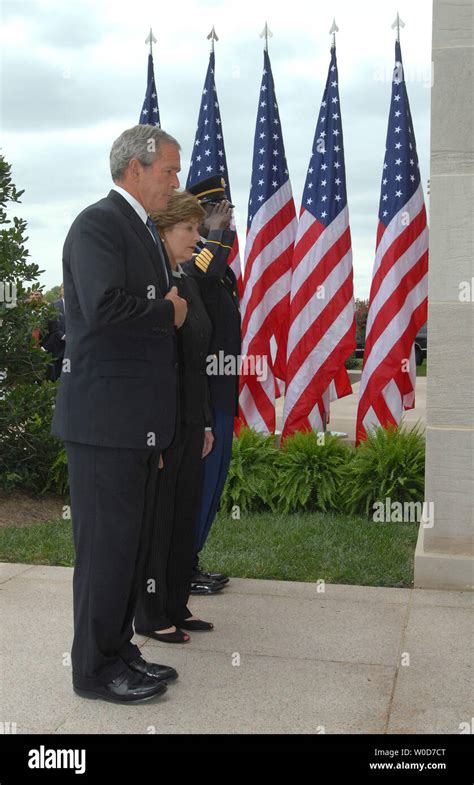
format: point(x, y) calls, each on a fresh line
point(344, 411)
point(351, 659)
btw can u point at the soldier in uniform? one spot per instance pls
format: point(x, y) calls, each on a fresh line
point(218, 287)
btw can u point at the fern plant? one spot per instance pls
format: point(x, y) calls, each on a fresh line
point(390, 463)
point(252, 472)
point(310, 473)
point(58, 479)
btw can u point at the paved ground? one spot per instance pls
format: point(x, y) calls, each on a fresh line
point(283, 658)
point(344, 411)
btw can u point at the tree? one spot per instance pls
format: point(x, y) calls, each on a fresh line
point(30, 458)
point(362, 311)
point(53, 294)
point(23, 311)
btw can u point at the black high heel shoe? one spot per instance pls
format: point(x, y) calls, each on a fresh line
point(178, 636)
point(196, 625)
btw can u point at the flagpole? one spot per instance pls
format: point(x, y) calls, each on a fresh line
point(150, 39)
point(212, 37)
point(266, 34)
point(398, 23)
point(150, 112)
point(334, 29)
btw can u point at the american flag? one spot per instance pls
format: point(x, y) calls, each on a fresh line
point(208, 157)
point(322, 313)
point(271, 230)
point(150, 114)
point(399, 292)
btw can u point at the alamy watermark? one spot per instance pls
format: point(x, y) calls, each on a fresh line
point(388, 511)
point(44, 758)
point(8, 294)
point(7, 727)
point(466, 291)
point(422, 74)
point(223, 364)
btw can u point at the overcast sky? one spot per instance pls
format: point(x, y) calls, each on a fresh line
point(73, 77)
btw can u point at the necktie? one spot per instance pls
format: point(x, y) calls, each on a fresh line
point(154, 234)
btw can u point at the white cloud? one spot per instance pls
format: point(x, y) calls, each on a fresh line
point(73, 77)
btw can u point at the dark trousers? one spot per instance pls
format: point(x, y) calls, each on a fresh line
point(215, 469)
point(112, 500)
point(166, 579)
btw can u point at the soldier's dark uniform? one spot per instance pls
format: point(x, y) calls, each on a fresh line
point(218, 288)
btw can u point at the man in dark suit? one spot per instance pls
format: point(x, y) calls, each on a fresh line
point(116, 407)
point(218, 286)
point(54, 340)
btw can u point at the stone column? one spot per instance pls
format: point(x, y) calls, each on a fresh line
point(444, 553)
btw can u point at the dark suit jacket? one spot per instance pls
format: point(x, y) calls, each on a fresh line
point(193, 350)
point(218, 287)
point(53, 341)
point(120, 387)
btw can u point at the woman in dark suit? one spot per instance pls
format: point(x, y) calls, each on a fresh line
point(162, 611)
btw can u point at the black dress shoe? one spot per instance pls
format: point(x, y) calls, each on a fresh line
point(198, 572)
point(152, 669)
point(128, 687)
point(216, 576)
point(205, 577)
point(210, 587)
point(203, 583)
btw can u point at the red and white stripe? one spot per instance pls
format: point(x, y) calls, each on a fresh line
point(322, 322)
point(397, 309)
point(267, 280)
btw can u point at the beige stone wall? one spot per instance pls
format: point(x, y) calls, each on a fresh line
point(444, 552)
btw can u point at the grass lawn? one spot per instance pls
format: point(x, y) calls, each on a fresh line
point(298, 547)
point(421, 369)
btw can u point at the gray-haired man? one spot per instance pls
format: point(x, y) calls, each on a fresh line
point(116, 407)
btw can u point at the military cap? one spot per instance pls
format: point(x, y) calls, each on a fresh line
point(212, 189)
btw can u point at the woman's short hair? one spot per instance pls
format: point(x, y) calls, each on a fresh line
point(182, 206)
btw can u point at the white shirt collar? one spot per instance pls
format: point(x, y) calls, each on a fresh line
point(139, 209)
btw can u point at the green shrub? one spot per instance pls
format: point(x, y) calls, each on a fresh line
point(352, 362)
point(251, 474)
point(58, 479)
point(28, 452)
point(309, 473)
point(23, 312)
point(390, 463)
